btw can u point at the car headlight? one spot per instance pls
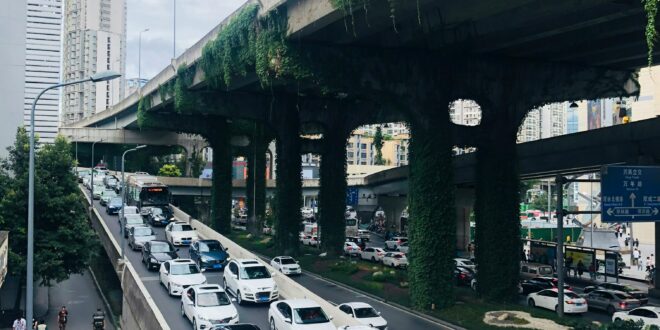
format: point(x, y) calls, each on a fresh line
point(235, 316)
point(275, 287)
point(202, 318)
point(153, 260)
point(205, 259)
point(246, 289)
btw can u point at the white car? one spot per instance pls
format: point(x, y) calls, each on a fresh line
point(364, 314)
point(650, 315)
point(178, 274)
point(395, 259)
point(466, 263)
point(131, 210)
point(298, 314)
point(548, 298)
point(403, 248)
point(356, 327)
point(373, 254)
point(180, 233)
point(207, 305)
point(394, 242)
point(364, 234)
point(351, 249)
point(286, 265)
point(311, 240)
point(249, 280)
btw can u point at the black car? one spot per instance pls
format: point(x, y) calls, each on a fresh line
point(540, 283)
point(638, 294)
point(235, 327)
point(160, 216)
point(156, 252)
point(114, 206)
point(208, 254)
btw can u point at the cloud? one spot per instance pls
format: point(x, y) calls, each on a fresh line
point(194, 19)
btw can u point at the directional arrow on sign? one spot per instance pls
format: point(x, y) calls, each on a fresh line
point(632, 199)
point(655, 211)
point(610, 211)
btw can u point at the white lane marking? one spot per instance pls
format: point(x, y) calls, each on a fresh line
point(332, 302)
point(150, 278)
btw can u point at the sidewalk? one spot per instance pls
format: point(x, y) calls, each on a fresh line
point(8, 298)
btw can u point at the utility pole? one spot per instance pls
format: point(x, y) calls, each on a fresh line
point(559, 181)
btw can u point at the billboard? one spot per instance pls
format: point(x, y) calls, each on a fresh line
point(543, 253)
point(594, 114)
point(586, 257)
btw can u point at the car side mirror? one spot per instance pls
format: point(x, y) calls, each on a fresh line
point(331, 318)
point(226, 249)
point(166, 272)
point(203, 270)
point(378, 313)
point(177, 250)
point(234, 276)
point(233, 299)
point(287, 319)
point(191, 303)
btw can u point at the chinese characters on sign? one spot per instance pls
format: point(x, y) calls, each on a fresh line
point(630, 193)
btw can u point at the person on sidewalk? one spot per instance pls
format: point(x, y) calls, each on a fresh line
point(647, 263)
point(42, 325)
point(62, 318)
point(640, 264)
point(637, 242)
point(635, 256)
point(20, 323)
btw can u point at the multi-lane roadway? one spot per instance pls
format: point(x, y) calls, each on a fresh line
point(170, 307)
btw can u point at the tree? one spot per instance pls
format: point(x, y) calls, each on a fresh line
point(64, 242)
point(540, 202)
point(169, 170)
point(378, 144)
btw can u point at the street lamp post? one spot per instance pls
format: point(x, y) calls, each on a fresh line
point(140, 57)
point(123, 199)
point(29, 292)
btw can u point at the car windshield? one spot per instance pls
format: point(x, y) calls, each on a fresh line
point(211, 299)
point(142, 231)
point(116, 201)
point(467, 262)
point(160, 248)
point(133, 220)
point(627, 288)
point(181, 228)
point(210, 246)
point(112, 180)
point(185, 269)
point(365, 312)
point(254, 273)
point(288, 261)
point(156, 211)
point(310, 315)
point(109, 193)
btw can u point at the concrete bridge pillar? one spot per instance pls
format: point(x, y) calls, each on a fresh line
point(289, 182)
point(256, 179)
point(219, 140)
point(432, 225)
point(332, 191)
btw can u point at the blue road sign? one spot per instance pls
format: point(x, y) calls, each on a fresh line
point(352, 196)
point(630, 193)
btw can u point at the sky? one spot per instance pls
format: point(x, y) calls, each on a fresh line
point(194, 19)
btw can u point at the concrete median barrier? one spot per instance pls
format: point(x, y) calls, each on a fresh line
point(288, 288)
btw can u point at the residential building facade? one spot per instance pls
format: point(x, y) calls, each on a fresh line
point(94, 41)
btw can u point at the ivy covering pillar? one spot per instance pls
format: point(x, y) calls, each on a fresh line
point(432, 228)
point(498, 244)
point(222, 185)
point(256, 191)
point(289, 185)
point(332, 192)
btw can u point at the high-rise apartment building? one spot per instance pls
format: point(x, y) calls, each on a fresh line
point(360, 149)
point(465, 112)
point(42, 66)
point(544, 122)
point(94, 41)
point(29, 62)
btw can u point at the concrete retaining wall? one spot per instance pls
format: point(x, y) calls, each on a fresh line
point(136, 299)
point(288, 288)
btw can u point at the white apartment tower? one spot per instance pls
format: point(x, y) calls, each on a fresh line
point(94, 41)
point(42, 66)
point(544, 122)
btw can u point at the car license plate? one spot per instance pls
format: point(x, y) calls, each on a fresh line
point(185, 241)
point(217, 266)
point(263, 299)
point(578, 304)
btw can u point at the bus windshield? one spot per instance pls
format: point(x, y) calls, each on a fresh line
point(154, 196)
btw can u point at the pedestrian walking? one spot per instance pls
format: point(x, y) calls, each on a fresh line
point(637, 242)
point(647, 264)
point(62, 318)
point(592, 271)
point(626, 241)
point(580, 268)
point(625, 229)
point(19, 324)
point(636, 256)
point(652, 260)
point(42, 325)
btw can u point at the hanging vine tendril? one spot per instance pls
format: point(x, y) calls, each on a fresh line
point(651, 10)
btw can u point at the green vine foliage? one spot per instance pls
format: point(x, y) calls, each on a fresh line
point(432, 226)
point(144, 119)
point(497, 231)
point(651, 10)
point(184, 99)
